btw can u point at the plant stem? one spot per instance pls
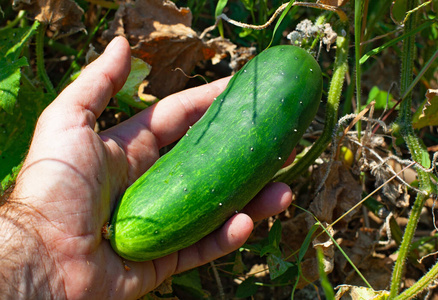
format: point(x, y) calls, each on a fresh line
point(417, 151)
point(288, 174)
point(420, 285)
point(14, 22)
point(358, 8)
point(41, 31)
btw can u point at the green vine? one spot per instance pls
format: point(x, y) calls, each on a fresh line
point(42, 74)
point(417, 151)
point(288, 174)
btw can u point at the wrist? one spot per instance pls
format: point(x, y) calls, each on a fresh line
point(27, 270)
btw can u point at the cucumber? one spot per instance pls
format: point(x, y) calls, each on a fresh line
point(224, 160)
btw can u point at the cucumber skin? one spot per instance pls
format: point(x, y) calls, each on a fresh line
point(224, 160)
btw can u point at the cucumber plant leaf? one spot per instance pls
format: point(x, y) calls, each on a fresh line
point(10, 75)
point(129, 92)
point(16, 131)
point(190, 283)
point(281, 270)
point(381, 97)
point(274, 237)
point(12, 42)
point(427, 113)
point(359, 292)
point(247, 288)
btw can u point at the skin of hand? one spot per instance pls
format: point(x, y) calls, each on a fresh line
point(73, 177)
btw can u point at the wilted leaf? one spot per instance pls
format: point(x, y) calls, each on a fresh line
point(64, 17)
point(129, 92)
point(339, 194)
point(238, 265)
point(160, 34)
point(427, 113)
point(165, 287)
point(359, 293)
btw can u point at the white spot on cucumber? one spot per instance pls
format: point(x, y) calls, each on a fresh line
point(252, 149)
point(220, 203)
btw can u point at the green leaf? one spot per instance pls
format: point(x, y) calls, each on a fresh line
point(247, 288)
point(191, 283)
point(306, 243)
point(283, 15)
point(277, 266)
point(394, 41)
point(218, 11)
point(16, 131)
point(129, 93)
point(274, 239)
point(275, 234)
point(12, 41)
point(10, 75)
point(381, 97)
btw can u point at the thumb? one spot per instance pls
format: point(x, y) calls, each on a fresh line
point(82, 102)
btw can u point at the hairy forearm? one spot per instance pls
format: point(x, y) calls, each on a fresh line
point(27, 271)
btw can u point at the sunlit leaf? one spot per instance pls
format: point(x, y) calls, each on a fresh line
point(359, 293)
point(427, 113)
point(129, 92)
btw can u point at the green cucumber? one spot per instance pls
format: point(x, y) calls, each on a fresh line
point(224, 160)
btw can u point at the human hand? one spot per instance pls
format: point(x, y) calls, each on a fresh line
point(73, 177)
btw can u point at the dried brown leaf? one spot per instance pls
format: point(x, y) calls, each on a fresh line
point(160, 34)
point(63, 17)
point(341, 191)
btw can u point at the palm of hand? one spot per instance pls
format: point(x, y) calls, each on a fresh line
point(72, 177)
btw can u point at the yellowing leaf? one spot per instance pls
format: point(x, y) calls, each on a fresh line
point(426, 114)
point(359, 293)
point(129, 92)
